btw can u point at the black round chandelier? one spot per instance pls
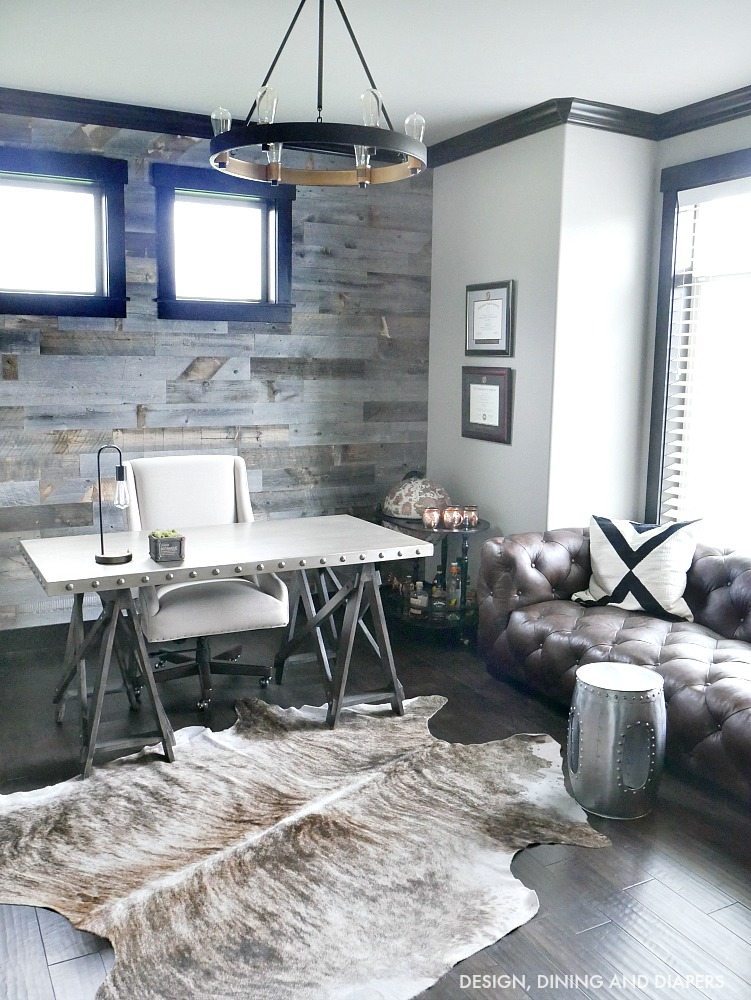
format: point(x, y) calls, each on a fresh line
point(379, 153)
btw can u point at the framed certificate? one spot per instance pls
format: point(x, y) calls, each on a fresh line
point(490, 319)
point(486, 403)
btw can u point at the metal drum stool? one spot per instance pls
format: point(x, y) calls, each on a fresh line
point(616, 739)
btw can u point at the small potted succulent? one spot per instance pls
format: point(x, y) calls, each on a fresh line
point(166, 546)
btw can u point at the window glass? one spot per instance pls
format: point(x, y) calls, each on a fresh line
point(49, 239)
point(62, 233)
point(705, 473)
point(218, 248)
point(224, 246)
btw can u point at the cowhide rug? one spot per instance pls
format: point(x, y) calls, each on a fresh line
point(280, 860)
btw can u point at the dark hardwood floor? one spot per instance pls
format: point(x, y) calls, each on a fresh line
point(665, 912)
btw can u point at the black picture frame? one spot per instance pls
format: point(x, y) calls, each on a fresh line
point(491, 334)
point(487, 414)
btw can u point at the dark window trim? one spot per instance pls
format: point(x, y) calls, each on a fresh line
point(166, 180)
point(684, 176)
point(109, 176)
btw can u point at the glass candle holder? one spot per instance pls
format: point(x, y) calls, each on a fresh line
point(431, 517)
point(452, 517)
point(470, 516)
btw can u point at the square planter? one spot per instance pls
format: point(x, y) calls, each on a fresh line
point(170, 549)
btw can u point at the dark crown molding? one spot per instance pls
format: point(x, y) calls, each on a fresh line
point(559, 111)
point(31, 104)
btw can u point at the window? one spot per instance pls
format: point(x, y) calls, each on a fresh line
point(703, 386)
point(62, 250)
point(224, 246)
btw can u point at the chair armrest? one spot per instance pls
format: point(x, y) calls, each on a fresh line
point(519, 570)
point(272, 585)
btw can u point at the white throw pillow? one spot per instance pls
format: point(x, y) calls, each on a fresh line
point(640, 567)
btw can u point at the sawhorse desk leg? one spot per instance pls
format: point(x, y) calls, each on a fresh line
point(358, 596)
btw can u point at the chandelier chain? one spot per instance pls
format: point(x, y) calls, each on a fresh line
point(275, 60)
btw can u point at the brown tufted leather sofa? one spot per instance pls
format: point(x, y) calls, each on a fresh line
point(529, 629)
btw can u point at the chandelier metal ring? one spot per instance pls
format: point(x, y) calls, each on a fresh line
point(393, 156)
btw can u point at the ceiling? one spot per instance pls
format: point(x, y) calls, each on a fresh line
point(460, 64)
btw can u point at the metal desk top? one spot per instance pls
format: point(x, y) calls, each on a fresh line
point(65, 565)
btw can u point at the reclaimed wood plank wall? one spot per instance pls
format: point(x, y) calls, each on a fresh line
point(327, 412)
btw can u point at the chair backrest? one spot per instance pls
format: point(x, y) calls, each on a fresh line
point(186, 491)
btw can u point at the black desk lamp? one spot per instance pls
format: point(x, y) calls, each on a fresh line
point(121, 501)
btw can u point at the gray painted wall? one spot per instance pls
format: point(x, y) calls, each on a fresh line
point(496, 216)
point(601, 345)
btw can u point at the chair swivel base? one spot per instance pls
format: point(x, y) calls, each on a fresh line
point(173, 664)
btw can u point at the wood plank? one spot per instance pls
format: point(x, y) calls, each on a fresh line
point(580, 958)
point(370, 390)
point(100, 390)
point(737, 918)
point(673, 947)
point(54, 417)
point(129, 369)
point(349, 433)
point(393, 411)
point(38, 516)
point(402, 240)
point(17, 341)
point(78, 979)
point(62, 941)
point(294, 476)
point(14, 493)
point(309, 346)
point(695, 926)
point(657, 979)
point(23, 965)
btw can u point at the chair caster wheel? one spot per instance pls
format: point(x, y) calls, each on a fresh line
point(264, 682)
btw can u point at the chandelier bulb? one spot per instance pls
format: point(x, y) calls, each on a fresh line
point(274, 154)
point(221, 120)
point(414, 126)
point(267, 100)
point(362, 165)
point(372, 106)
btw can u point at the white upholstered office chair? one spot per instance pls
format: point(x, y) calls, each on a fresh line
point(181, 492)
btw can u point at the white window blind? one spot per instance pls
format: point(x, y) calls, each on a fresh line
point(706, 470)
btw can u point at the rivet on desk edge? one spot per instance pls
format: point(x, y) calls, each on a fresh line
point(362, 557)
point(144, 579)
point(192, 574)
point(302, 562)
point(238, 569)
point(69, 586)
point(215, 572)
point(95, 583)
point(380, 555)
point(342, 558)
point(417, 552)
point(120, 581)
point(281, 564)
point(170, 576)
point(259, 566)
point(322, 562)
point(399, 552)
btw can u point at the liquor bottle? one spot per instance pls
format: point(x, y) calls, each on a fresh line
point(453, 591)
point(408, 589)
point(418, 602)
point(439, 581)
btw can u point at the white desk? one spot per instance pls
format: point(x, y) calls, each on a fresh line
point(314, 546)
